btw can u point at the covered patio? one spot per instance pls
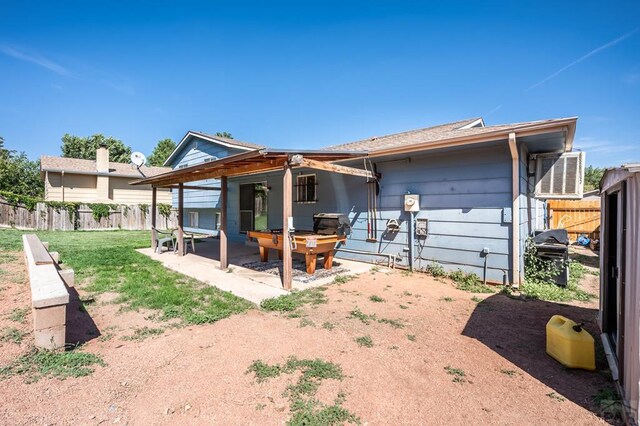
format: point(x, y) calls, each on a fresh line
point(244, 164)
point(242, 277)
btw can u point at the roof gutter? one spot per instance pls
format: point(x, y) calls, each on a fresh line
point(567, 125)
point(79, 172)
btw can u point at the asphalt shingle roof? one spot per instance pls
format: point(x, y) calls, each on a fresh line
point(430, 134)
point(70, 165)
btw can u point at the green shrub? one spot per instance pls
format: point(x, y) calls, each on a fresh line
point(436, 270)
point(164, 210)
point(144, 209)
point(469, 282)
point(101, 210)
point(539, 274)
point(17, 200)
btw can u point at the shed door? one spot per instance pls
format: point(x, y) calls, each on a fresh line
point(614, 283)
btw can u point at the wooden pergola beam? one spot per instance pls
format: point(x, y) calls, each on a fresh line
point(335, 168)
point(262, 167)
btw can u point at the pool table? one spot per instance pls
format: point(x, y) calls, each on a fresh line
point(305, 242)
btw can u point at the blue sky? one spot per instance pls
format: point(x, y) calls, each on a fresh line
point(309, 74)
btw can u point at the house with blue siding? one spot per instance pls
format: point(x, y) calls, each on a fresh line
point(478, 192)
point(201, 207)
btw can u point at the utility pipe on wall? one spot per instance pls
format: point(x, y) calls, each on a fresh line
point(411, 240)
point(515, 210)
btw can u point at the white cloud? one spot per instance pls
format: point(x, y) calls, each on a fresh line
point(34, 58)
point(584, 58)
point(120, 84)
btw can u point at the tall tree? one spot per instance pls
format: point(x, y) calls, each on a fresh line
point(224, 135)
point(18, 174)
point(592, 176)
point(161, 152)
point(85, 147)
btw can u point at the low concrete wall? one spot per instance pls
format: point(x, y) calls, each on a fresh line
point(49, 294)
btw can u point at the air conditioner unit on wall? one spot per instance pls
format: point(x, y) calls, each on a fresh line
point(560, 176)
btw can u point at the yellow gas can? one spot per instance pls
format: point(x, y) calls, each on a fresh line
point(570, 344)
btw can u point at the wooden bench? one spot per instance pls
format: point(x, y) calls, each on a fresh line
point(49, 295)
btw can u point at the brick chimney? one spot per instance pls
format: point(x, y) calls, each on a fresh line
point(102, 159)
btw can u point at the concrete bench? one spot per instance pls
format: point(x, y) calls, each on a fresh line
point(49, 295)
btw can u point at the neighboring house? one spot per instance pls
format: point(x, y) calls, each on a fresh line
point(99, 181)
point(620, 279)
point(201, 207)
point(469, 178)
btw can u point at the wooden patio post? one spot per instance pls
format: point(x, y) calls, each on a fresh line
point(180, 220)
point(153, 216)
point(224, 260)
point(287, 213)
point(515, 209)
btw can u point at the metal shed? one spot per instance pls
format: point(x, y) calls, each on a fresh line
point(620, 279)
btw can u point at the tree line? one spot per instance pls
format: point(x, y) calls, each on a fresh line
point(21, 176)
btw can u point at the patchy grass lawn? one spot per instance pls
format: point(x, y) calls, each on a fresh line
point(37, 364)
point(107, 261)
point(429, 353)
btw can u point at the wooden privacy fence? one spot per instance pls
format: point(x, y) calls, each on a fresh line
point(576, 216)
point(52, 218)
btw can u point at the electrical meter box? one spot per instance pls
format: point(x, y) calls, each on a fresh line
point(422, 226)
point(411, 203)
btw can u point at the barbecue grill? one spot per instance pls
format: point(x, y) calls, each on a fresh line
point(331, 224)
point(553, 246)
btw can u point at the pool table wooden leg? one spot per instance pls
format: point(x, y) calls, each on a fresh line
point(311, 262)
point(328, 259)
point(264, 254)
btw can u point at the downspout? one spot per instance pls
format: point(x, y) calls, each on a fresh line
point(515, 210)
point(62, 184)
point(411, 240)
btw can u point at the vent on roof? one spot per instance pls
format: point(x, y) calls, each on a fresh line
point(560, 176)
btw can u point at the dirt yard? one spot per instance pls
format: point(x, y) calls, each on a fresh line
point(412, 350)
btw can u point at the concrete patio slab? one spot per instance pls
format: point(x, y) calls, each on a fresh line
point(247, 283)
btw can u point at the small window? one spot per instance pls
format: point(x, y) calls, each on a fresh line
point(193, 219)
point(306, 189)
point(217, 219)
point(184, 165)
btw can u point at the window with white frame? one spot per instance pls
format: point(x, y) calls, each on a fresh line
point(217, 219)
point(306, 188)
point(193, 219)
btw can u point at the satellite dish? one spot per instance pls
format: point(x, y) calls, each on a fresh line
point(138, 159)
